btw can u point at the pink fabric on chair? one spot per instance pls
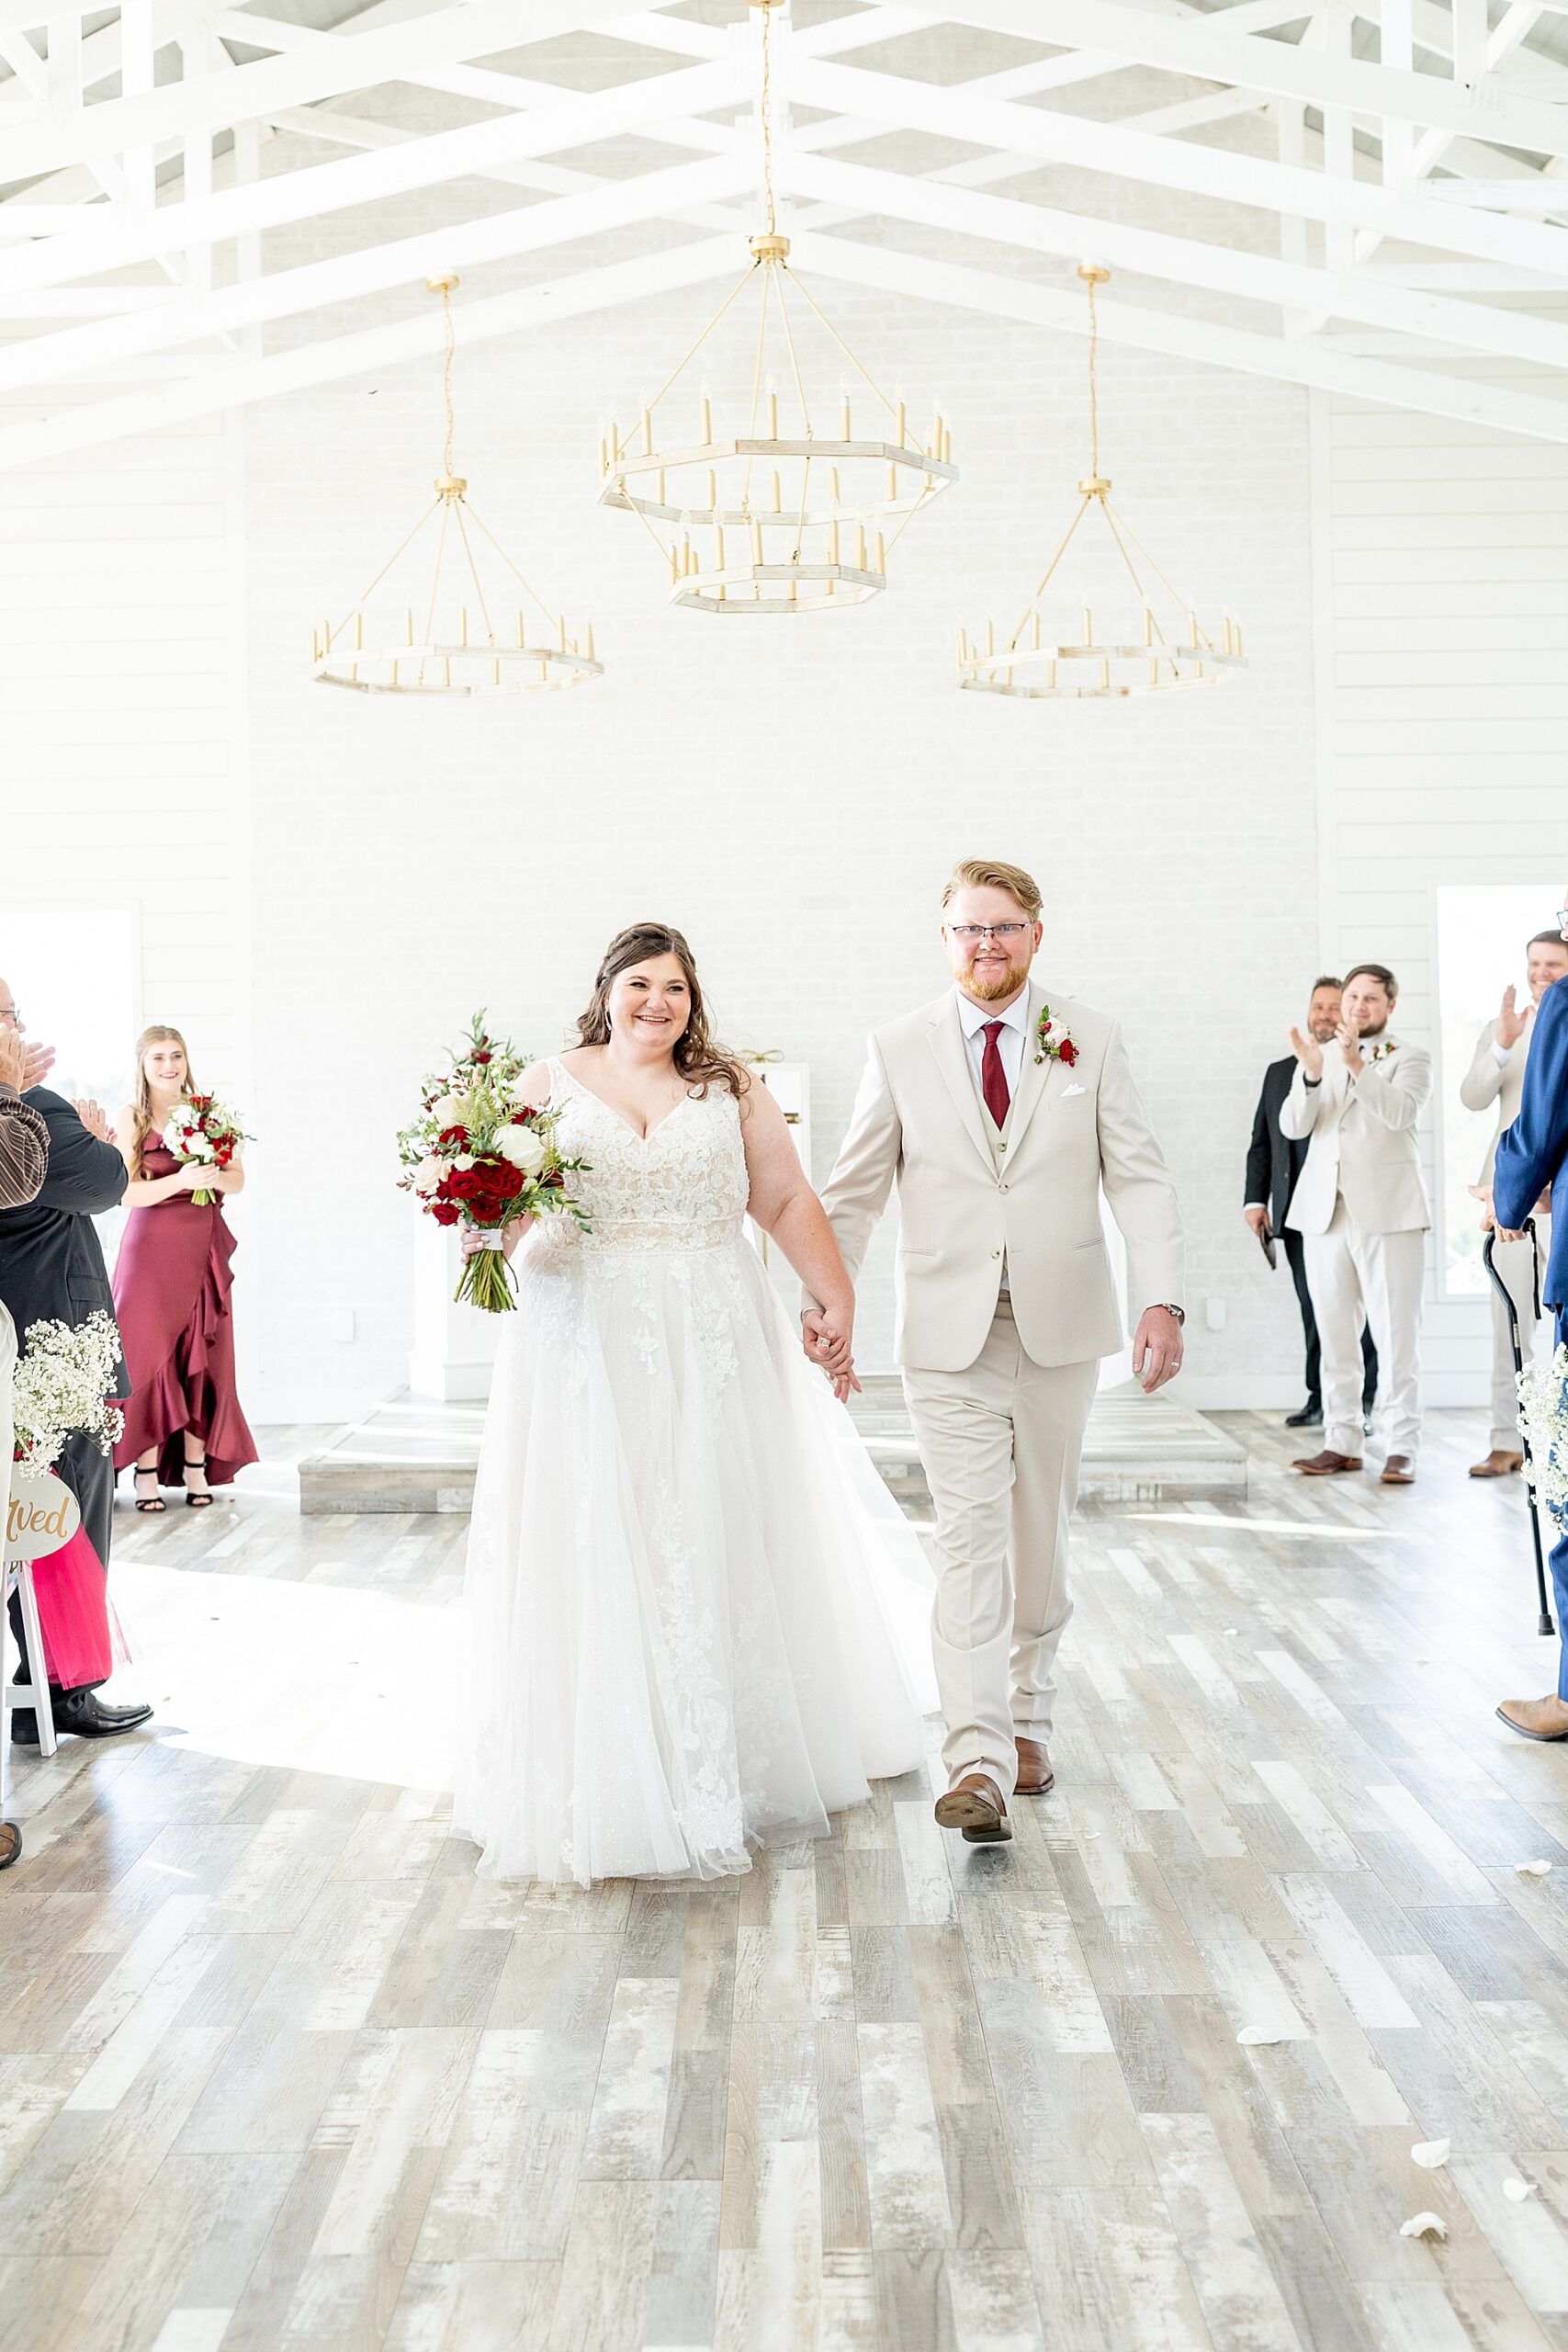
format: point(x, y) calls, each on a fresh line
point(79, 1630)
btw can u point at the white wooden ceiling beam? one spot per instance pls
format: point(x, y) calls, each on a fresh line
point(1183, 261)
point(240, 381)
point(476, 29)
point(1054, 137)
point(364, 178)
point(402, 261)
point(1314, 363)
point(1284, 69)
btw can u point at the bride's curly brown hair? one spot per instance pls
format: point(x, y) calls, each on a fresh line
point(700, 1059)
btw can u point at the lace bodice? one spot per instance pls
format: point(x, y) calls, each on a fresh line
point(682, 1187)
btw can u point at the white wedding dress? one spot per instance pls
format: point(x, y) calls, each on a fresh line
point(695, 1614)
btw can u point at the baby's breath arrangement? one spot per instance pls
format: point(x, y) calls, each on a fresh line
point(1544, 1406)
point(60, 1385)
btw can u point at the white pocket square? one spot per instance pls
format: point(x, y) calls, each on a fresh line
point(1067, 1091)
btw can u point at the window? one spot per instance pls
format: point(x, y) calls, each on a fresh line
point(1481, 948)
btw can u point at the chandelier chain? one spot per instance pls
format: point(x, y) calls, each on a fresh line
point(1093, 384)
point(447, 378)
point(765, 117)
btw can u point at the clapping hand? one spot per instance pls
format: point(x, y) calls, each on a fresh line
point(92, 1118)
point(13, 1058)
point(41, 1061)
point(1351, 1046)
point(1309, 1053)
point(1510, 1021)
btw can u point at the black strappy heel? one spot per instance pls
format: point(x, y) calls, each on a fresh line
point(196, 1498)
point(154, 1501)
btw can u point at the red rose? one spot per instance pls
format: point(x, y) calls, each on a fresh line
point(480, 1056)
point(1067, 1052)
point(443, 1213)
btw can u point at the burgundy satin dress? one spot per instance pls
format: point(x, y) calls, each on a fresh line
point(171, 1293)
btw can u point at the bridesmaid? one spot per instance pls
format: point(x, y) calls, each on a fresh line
point(171, 1293)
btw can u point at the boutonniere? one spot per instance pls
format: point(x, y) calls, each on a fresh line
point(1380, 1053)
point(1052, 1045)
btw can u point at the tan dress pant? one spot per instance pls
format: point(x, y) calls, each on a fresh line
point(1001, 1443)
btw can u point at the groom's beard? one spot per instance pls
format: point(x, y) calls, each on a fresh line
point(994, 983)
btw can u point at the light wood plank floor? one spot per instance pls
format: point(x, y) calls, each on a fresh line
point(277, 2073)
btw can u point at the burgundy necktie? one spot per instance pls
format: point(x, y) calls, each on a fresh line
point(993, 1077)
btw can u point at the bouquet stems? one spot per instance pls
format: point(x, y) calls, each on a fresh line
point(204, 1199)
point(486, 1282)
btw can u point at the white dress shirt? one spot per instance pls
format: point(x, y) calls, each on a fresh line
point(1009, 1045)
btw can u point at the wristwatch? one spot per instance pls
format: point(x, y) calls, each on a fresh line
point(1179, 1312)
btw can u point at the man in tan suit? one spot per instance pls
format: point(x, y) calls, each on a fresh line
point(1361, 1203)
point(1497, 1074)
point(1000, 1111)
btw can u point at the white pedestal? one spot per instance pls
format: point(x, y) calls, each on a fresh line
point(454, 1347)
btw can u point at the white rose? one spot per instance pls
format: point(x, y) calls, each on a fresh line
point(464, 1159)
point(428, 1174)
point(451, 1111)
point(523, 1148)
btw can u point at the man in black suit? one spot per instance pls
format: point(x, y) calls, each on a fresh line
point(1273, 1164)
point(51, 1270)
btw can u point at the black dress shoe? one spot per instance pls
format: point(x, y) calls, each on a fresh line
point(82, 1713)
point(1309, 1417)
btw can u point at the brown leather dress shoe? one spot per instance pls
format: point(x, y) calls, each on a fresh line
point(1398, 1471)
point(1497, 1465)
point(975, 1804)
point(1326, 1465)
point(1537, 1718)
point(1035, 1775)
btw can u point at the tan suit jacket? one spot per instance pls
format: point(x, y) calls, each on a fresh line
point(1360, 1138)
point(966, 1197)
point(1488, 1080)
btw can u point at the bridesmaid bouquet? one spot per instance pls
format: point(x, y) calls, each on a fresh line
point(200, 1129)
point(477, 1154)
point(61, 1384)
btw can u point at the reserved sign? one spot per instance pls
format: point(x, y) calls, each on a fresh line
point(44, 1515)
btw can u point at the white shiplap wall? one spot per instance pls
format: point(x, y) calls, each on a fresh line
point(124, 729)
point(1441, 629)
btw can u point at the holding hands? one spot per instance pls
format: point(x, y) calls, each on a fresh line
point(825, 1334)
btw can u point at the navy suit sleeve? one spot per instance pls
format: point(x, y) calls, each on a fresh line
point(1531, 1152)
point(1259, 1152)
point(85, 1177)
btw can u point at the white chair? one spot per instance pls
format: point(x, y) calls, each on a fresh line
point(19, 1580)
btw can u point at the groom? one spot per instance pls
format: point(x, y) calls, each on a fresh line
point(1001, 1111)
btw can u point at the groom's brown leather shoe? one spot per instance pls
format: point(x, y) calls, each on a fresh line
point(1327, 1464)
point(975, 1804)
point(1035, 1776)
point(1537, 1718)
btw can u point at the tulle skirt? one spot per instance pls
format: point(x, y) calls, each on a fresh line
point(695, 1616)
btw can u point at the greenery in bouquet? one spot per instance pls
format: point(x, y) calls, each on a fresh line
point(63, 1383)
point(1543, 1408)
point(478, 1154)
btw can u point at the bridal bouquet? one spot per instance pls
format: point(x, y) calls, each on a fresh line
point(61, 1384)
point(478, 1154)
point(200, 1129)
point(1543, 1408)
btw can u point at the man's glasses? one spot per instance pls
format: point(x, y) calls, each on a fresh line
point(11, 1014)
point(971, 933)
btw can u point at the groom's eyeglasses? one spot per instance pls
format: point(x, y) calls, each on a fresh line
point(970, 932)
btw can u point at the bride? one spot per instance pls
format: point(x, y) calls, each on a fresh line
point(695, 1616)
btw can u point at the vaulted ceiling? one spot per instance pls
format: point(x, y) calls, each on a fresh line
point(202, 204)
